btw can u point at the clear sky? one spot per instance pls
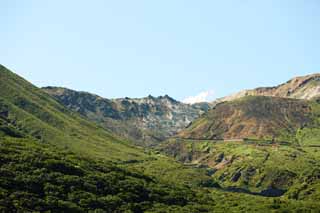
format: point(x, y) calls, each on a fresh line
point(181, 48)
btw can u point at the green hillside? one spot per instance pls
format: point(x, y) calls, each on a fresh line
point(42, 177)
point(42, 117)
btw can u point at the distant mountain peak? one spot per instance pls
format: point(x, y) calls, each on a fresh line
point(167, 97)
point(147, 119)
point(150, 97)
point(301, 87)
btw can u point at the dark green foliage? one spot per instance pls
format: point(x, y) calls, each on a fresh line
point(39, 177)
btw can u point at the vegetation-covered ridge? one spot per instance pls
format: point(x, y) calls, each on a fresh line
point(39, 115)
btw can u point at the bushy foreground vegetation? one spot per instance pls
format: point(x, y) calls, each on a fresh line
point(38, 177)
point(258, 168)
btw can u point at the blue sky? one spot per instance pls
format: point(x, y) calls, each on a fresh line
point(181, 48)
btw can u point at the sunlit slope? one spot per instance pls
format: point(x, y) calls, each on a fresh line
point(39, 115)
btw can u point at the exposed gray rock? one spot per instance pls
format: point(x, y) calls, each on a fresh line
point(149, 119)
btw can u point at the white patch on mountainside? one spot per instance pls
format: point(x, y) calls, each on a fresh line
point(204, 96)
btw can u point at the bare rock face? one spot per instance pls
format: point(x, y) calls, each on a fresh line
point(305, 87)
point(149, 119)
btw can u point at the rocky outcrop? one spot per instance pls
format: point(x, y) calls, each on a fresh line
point(148, 119)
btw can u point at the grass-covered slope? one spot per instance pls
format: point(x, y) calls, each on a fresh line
point(39, 115)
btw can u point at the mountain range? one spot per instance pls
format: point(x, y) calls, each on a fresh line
point(68, 151)
point(249, 113)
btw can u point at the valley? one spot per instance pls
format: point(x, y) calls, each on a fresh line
point(254, 167)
